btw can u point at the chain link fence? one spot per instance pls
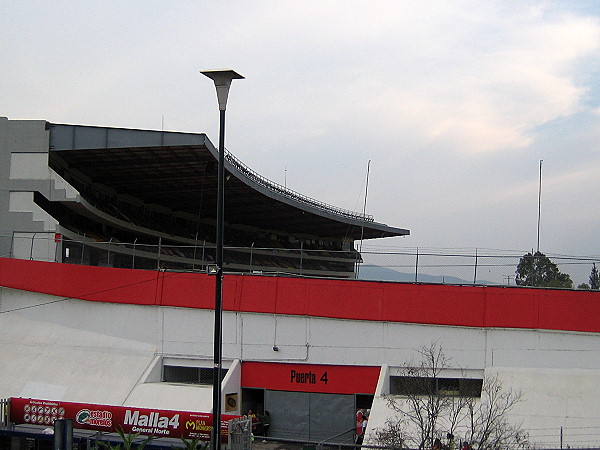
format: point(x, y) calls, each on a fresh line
point(240, 434)
point(426, 265)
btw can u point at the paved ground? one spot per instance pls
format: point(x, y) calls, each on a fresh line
point(270, 445)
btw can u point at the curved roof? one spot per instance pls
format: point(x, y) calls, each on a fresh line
point(178, 171)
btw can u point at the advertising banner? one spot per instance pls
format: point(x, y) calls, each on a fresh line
point(151, 422)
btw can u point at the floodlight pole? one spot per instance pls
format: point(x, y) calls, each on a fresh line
point(539, 206)
point(222, 79)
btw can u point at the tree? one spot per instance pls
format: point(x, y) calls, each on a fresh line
point(539, 271)
point(488, 427)
point(392, 434)
point(431, 407)
point(594, 278)
point(425, 408)
point(584, 287)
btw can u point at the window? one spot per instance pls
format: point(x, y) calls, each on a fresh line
point(470, 387)
point(412, 385)
point(448, 386)
point(465, 387)
point(190, 375)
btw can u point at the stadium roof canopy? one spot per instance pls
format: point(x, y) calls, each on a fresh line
point(178, 171)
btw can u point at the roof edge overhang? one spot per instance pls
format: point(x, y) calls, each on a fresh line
point(80, 137)
point(296, 200)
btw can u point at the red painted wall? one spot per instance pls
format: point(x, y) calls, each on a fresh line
point(471, 306)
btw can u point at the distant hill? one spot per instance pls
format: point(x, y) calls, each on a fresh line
point(378, 273)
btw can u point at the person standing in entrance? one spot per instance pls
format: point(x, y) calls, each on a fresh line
point(252, 417)
point(266, 421)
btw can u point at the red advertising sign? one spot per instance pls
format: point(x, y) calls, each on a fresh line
point(152, 422)
point(310, 377)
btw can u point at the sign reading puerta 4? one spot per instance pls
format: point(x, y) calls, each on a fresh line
point(158, 423)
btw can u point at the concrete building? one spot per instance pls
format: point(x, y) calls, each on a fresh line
point(311, 351)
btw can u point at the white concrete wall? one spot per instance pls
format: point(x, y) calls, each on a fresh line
point(552, 398)
point(232, 385)
point(29, 166)
point(107, 353)
point(28, 137)
point(50, 361)
point(249, 336)
point(26, 230)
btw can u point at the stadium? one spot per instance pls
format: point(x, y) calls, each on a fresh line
point(107, 239)
point(151, 197)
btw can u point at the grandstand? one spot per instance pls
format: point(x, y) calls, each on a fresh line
point(147, 199)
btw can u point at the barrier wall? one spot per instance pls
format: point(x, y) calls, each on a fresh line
point(470, 306)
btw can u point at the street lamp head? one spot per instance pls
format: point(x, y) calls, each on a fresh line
point(222, 79)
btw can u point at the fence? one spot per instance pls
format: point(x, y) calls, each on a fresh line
point(240, 434)
point(427, 265)
point(559, 438)
point(461, 266)
point(4, 405)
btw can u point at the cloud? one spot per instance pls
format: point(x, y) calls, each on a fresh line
point(454, 102)
point(477, 78)
point(489, 100)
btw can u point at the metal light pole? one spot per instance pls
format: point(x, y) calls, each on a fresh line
point(222, 79)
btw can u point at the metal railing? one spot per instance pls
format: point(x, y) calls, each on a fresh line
point(413, 265)
point(240, 434)
point(555, 438)
point(291, 194)
point(162, 254)
point(461, 266)
point(4, 409)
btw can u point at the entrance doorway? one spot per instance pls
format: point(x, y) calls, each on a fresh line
point(253, 399)
point(310, 416)
point(364, 401)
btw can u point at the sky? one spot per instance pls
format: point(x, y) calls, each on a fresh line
point(453, 103)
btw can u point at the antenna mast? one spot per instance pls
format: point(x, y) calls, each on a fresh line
point(539, 206)
point(362, 228)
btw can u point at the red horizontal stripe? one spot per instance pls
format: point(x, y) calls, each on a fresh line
point(471, 306)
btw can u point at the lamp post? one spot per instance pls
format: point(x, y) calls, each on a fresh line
point(222, 79)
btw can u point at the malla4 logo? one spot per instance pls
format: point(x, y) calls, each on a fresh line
point(94, 418)
point(154, 419)
point(198, 425)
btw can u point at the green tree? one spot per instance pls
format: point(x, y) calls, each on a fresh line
point(538, 270)
point(594, 278)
